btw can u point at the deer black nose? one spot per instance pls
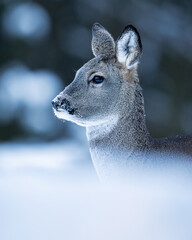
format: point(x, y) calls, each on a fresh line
point(63, 104)
point(56, 104)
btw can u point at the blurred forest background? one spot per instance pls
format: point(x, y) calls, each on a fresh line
point(43, 43)
point(43, 161)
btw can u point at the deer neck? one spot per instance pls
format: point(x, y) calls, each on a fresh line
point(123, 138)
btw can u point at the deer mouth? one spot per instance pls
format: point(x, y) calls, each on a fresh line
point(63, 105)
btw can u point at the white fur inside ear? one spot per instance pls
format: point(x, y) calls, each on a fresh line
point(127, 49)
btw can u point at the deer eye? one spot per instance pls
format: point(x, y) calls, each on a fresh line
point(97, 79)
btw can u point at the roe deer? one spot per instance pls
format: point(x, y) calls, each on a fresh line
point(106, 98)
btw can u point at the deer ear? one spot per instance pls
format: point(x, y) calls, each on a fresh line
point(129, 47)
point(102, 41)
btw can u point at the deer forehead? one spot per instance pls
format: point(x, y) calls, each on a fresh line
point(109, 67)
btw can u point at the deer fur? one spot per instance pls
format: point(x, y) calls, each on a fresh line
point(106, 98)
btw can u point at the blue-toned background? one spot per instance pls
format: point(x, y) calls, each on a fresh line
point(47, 181)
point(43, 43)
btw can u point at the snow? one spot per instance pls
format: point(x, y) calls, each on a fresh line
point(50, 191)
point(58, 156)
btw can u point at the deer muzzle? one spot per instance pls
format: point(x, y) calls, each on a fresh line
point(63, 104)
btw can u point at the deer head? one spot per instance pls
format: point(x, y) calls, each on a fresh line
point(98, 90)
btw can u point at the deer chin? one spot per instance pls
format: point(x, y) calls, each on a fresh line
point(84, 121)
point(65, 115)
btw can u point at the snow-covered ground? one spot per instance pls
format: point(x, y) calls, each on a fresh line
point(50, 191)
